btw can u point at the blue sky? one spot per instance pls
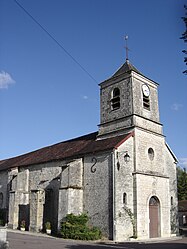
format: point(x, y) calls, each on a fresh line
point(45, 97)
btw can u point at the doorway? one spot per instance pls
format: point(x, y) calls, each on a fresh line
point(154, 217)
point(24, 216)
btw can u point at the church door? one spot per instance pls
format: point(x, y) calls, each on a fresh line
point(154, 217)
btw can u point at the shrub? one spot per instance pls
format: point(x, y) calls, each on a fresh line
point(48, 225)
point(22, 224)
point(75, 227)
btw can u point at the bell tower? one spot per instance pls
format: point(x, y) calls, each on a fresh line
point(128, 99)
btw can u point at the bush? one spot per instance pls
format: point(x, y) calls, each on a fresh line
point(75, 227)
point(48, 225)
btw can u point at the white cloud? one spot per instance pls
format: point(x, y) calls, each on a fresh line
point(176, 107)
point(85, 97)
point(183, 162)
point(5, 80)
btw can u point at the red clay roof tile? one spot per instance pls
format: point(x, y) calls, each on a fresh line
point(65, 150)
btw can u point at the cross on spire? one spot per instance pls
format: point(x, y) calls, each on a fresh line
point(126, 47)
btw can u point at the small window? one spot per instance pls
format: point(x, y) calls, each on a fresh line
point(151, 154)
point(171, 200)
point(124, 198)
point(115, 99)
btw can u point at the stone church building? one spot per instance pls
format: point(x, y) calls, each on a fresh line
point(123, 176)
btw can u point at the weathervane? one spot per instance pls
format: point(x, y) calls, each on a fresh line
point(126, 47)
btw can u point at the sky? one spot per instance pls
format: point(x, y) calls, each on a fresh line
point(54, 53)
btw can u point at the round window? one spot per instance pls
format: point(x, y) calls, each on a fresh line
point(151, 154)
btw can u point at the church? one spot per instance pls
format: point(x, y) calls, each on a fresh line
point(123, 176)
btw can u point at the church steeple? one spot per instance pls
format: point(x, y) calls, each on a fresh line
point(128, 99)
point(127, 67)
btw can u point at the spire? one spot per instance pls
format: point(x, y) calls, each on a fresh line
point(126, 68)
point(126, 48)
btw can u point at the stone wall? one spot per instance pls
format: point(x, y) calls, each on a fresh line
point(154, 176)
point(27, 189)
point(97, 194)
point(3, 189)
point(115, 120)
point(107, 114)
point(153, 113)
point(170, 170)
point(145, 140)
point(71, 189)
point(124, 194)
point(146, 187)
point(138, 180)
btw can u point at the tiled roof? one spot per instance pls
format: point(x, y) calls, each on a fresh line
point(125, 68)
point(65, 150)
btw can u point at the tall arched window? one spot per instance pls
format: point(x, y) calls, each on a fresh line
point(115, 99)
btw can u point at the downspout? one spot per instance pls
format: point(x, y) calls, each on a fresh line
point(113, 195)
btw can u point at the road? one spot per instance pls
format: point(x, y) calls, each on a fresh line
point(33, 241)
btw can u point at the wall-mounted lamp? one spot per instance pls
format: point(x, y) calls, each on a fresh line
point(126, 157)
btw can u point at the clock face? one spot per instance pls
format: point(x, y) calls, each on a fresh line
point(145, 90)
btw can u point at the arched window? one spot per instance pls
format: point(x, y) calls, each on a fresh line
point(146, 93)
point(151, 154)
point(115, 99)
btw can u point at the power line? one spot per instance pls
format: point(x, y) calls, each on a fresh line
point(60, 45)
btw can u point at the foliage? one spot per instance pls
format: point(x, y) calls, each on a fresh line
point(22, 224)
point(133, 221)
point(181, 184)
point(48, 225)
point(75, 227)
point(184, 37)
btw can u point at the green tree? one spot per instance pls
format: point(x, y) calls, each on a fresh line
point(181, 184)
point(184, 37)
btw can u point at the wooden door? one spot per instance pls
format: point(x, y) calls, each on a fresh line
point(154, 217)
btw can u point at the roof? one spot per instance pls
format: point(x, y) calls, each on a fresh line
point(126, 68)
point(65, 150)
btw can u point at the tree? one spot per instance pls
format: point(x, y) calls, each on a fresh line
point(181, 184)
point(184, 37)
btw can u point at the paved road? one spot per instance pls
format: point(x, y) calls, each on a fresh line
point(30, 241)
